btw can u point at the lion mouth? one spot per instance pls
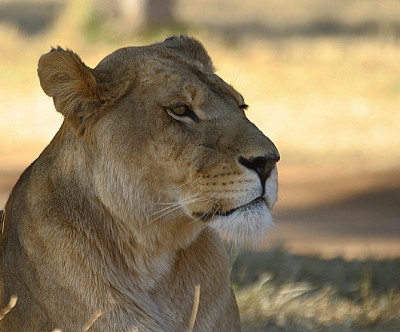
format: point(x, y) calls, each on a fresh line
point(252, 204)
point(206, 216)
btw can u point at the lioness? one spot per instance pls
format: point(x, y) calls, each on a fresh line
point(123, 213)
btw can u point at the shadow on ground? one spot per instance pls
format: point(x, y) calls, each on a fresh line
point(370, 213)
point(355, 215)
point(314, 29)
point(33, 18)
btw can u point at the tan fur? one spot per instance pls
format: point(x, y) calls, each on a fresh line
point(121, 215)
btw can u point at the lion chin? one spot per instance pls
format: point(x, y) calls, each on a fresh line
point(245, 227)
point(121, 217)
point(248, 225)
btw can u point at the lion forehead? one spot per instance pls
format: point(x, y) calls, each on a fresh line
point(168, 69)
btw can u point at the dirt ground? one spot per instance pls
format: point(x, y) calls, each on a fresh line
point(333, 214)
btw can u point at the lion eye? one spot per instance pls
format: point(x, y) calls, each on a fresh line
point(182, 110)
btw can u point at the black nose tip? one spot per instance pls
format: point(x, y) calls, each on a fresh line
point(262, 165)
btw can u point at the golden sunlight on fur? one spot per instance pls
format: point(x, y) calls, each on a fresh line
point(122, 214)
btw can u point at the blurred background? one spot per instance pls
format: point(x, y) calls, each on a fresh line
point(322, 78)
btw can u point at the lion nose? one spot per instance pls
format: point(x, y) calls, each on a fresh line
point(262, 165)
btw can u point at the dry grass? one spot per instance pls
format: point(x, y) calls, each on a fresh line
point(11, 304)
point(279, 291)
point(195, 308)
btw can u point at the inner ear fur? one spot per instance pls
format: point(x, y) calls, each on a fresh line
point(76, 90)
point(191, 48)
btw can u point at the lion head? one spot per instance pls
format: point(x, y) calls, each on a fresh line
point(171, 137)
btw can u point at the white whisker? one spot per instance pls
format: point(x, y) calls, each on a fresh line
point(171, 209)
point(208, 212)
point(174, 204)
point(190, 183)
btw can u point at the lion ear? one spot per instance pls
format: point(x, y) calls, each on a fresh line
point(191, 48)
point(68, 80)
point(77, 90)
